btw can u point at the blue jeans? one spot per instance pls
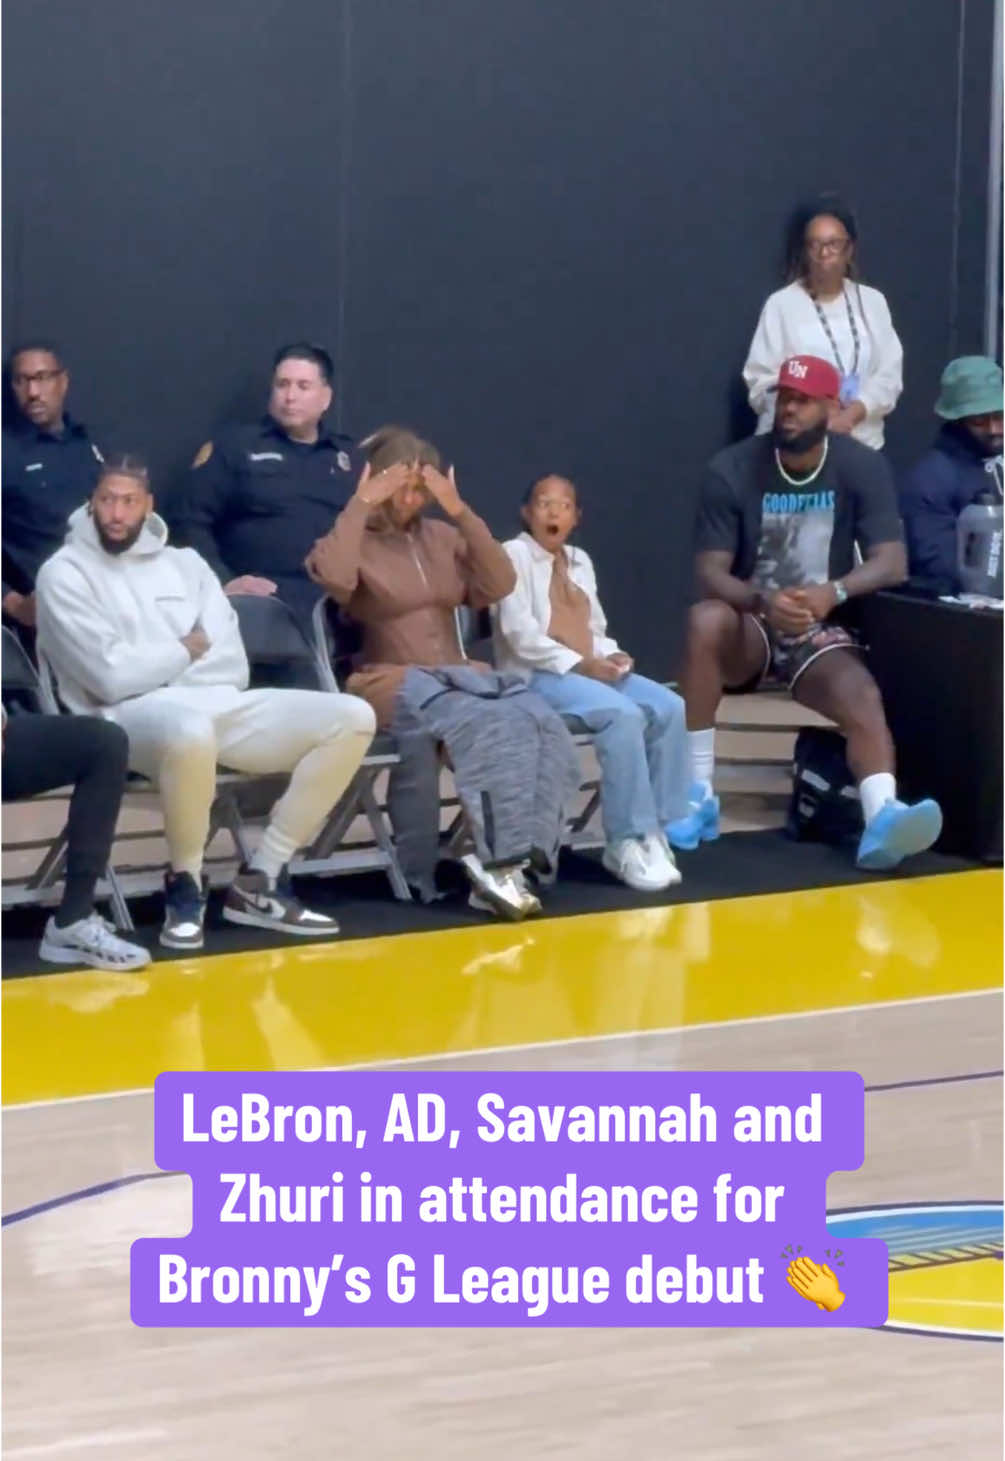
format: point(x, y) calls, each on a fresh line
point(640, 737)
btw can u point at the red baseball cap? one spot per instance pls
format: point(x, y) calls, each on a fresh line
point(809, 375)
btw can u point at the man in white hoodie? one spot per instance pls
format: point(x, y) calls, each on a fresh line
point(143, 634)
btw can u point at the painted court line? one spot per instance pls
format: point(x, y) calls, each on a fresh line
point(936, 1080)
point(64, 1199)
point(567, 1040)
point(114, 1184)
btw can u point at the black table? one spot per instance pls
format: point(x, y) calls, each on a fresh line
point(939, 667)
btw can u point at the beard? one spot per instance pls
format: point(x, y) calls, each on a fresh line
point(988, 446)
point(983, 443)
point(117, 546)
point(802, 442)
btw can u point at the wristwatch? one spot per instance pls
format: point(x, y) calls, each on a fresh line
point(840, 592)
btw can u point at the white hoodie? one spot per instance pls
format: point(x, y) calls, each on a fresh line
point(520, 621)
point(110, 626)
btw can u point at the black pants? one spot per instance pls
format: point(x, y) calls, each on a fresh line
point(43, 752)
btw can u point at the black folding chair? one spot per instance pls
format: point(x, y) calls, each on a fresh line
point(280, 656)
point(22, 689)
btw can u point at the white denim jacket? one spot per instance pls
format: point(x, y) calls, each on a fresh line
point(520, 621)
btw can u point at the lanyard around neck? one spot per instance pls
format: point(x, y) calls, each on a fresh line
point(830, 333)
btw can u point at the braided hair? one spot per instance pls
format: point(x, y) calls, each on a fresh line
point(831, 205)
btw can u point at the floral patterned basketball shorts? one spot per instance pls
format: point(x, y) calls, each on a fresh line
point(786, 656)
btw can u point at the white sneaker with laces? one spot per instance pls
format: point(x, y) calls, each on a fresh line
point(257, 901)
point(634, 864)
point(90, 941)
point(660, 853)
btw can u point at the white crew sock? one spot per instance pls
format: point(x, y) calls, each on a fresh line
point(701, 749)
point(874, 792)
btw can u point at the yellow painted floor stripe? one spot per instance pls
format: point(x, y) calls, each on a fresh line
point(491, 986)
point(966, 1297)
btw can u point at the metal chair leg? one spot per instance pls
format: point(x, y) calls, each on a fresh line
point(230, 820)
point(120, 908)
point(345, 813)
point(384, 840)
point(50, 868)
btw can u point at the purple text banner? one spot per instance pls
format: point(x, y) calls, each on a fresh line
point(567, 1199)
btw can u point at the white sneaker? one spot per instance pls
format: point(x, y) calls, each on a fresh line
point(634, 864)
point(90, 941)
point(660, 853)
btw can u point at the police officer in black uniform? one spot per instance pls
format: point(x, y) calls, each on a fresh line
point(50, 467)
point(259, 496)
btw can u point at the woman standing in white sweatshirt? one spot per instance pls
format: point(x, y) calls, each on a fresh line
point(825, 311)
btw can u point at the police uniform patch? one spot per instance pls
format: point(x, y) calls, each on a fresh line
point(344, 462)
point(203, 455)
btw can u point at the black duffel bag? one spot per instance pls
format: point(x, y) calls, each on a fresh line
point(825, 805)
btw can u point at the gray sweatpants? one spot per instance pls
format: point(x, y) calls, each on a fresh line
point(515, 765)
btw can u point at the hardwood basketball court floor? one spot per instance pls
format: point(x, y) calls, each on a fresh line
point(900, 980)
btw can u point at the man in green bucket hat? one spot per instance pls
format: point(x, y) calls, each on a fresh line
point(963, 463)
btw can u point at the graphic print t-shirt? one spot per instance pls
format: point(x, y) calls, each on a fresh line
point(796, 530)
point(788, 535)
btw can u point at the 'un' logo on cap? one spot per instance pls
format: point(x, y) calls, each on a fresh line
point(798, 369)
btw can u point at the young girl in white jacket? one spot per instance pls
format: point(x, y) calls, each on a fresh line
point(553, 631)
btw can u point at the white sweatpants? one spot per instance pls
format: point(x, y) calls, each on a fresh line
point(178, 737)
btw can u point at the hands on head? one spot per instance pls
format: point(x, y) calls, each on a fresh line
point(377, 489)
point(443, 490)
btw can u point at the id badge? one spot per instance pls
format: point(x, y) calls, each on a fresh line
point(849, 388)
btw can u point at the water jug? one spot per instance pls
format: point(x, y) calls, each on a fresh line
point(979, 532)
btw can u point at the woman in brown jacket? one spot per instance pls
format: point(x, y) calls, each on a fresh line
point(400, 575)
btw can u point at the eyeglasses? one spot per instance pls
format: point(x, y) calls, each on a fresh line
point(37, 378)
point(827, 245)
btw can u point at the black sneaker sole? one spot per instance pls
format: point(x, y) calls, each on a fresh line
point(262, 920)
